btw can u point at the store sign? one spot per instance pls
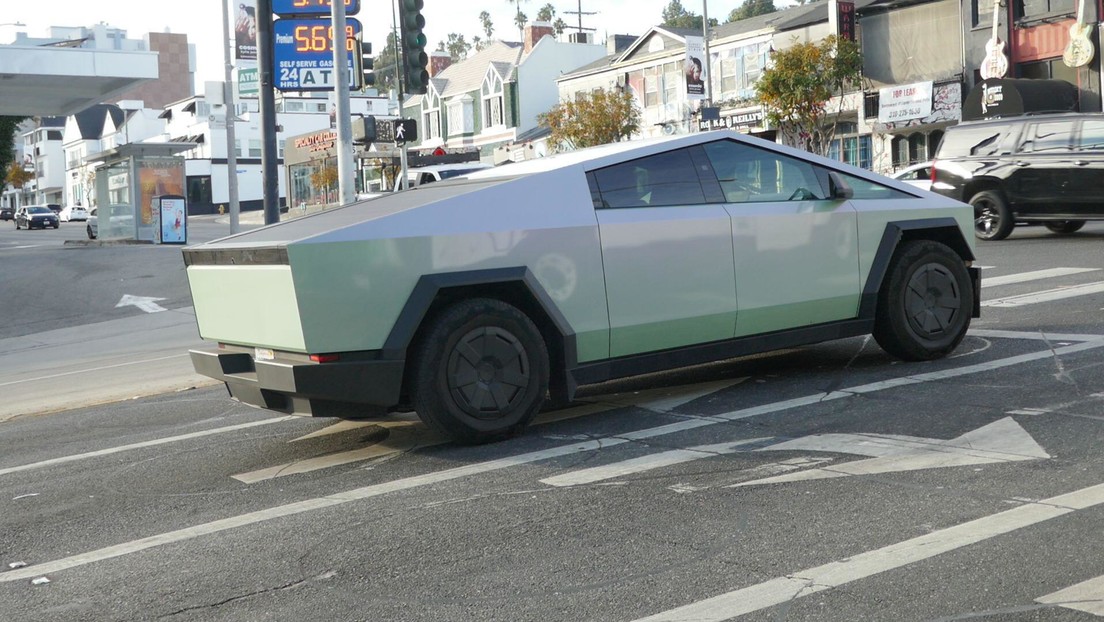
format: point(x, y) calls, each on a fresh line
point(316, 142)
point(249, 81)
point(905, 102)
point(738, 121)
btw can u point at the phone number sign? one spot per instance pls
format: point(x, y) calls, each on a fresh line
point(905, 102)
point(302, 53)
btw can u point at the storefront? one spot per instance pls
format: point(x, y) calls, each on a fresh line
point(311, 161)
point(1001, 98)
point(911, 119)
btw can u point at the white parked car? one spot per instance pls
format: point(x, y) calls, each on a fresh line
point(437, 172)
point(918, 175)
point(73, 213)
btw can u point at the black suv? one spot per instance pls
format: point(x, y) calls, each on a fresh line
point(1034, 169)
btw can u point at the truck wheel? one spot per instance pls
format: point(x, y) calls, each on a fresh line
point(925, 302)
point(992, 218)
point(480, 372)
point(1065, 226)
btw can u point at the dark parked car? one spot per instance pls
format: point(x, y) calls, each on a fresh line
point(36, 217)
point(1033, 169)
point(7, 213)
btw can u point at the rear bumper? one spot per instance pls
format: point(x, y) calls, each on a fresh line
point(348, 389)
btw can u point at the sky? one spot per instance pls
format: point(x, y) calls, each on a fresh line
point(202, 20)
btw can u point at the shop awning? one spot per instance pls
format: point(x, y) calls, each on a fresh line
point(994, 98)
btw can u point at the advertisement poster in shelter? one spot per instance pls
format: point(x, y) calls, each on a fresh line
point(157, 177)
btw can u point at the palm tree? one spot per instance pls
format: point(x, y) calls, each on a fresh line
point(520, 18)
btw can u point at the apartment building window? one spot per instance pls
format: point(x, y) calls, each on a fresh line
point(238, 147)
point(494, 112)
point(851, 147)
point(460, 117)
point(431, 116)
point(254, 147)
point(1030, 9)
point(672, 81)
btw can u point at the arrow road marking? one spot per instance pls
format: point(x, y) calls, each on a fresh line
point(1087, 596)
point(145, 303)
point(1000, 441)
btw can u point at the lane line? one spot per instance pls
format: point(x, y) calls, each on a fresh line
point(1034, 335)
point(1087, 596)
point(92, 369)
point(408, 483)
point(648, 463)
point(1036, 275)
point(834, 574)
point(133, 446)
point(1050, 295)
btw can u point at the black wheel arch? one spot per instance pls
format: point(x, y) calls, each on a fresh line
point(516, 286)
point(943, 230)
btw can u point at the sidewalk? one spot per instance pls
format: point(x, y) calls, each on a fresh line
point(256, 216)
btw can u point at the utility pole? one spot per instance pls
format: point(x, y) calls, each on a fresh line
point(581, 13)
point(708, 63)
point(231, 119)
point(270, 180)
point(345, 161)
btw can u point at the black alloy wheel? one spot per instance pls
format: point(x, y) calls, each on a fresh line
point(992, 218)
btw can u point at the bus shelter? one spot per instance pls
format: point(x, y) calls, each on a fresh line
point(133, 184)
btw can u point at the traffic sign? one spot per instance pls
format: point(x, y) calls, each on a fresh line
point(311, 7)
point(302, 53)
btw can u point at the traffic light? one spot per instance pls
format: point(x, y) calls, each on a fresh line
point(415, 59)
point(364, 65)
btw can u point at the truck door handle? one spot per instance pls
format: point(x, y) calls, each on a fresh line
point(1080, 163)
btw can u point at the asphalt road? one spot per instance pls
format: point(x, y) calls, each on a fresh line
point(821, 483)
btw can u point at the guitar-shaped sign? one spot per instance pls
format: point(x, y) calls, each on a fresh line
point(1080, 50)
point(995, 64)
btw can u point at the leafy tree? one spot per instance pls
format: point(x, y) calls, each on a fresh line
point(384, 65)
point(325, 180)
point(488, 26)
point(457, 47)
point(676, 16)
point(17, 175)
point(520, 19)
point(751, 8)
point(595, 118)
point(797, 85)
point(546, 13)
point(559, 26)
point(8, 127)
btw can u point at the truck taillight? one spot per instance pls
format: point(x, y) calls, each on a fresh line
point(325, 358)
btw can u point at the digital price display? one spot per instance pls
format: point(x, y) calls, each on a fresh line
point(311, 7)
point(302, 53)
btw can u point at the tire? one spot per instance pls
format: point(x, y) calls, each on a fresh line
point(17, 225)
point(992, 218)
point(1065, 226)
point(88, 230)
point(480, 371)
point(925, 303)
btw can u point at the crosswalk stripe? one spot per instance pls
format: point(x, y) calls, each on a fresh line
point(1087, 596)
point(1035, 275)
point(1049, 295)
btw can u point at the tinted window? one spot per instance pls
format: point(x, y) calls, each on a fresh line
point(865, 189)
point(974, 141)
point(749, 174)
point(1092, 135)
point(663, 179)
point(1047, 137)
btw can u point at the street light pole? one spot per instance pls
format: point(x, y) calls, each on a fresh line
point(231, 119)
point(708, 62)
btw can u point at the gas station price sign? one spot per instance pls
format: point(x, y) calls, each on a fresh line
point(311, 7)
point(302, 53)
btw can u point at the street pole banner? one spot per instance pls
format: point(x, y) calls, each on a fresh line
point(695, 68)
point(245, 31)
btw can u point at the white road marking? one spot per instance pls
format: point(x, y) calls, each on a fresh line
point(1087, 596)
point(855, 567)
point(1000, 441)
point(1036, 275)
point(1034, 335)
point(133, 446)
point(648, 463)
point(1049, 295)
point(777, 468)
point(410, 434)
point(145, 303)
point(92, 370)
point(408, 483)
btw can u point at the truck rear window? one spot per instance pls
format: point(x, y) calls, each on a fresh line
point(987, 140)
